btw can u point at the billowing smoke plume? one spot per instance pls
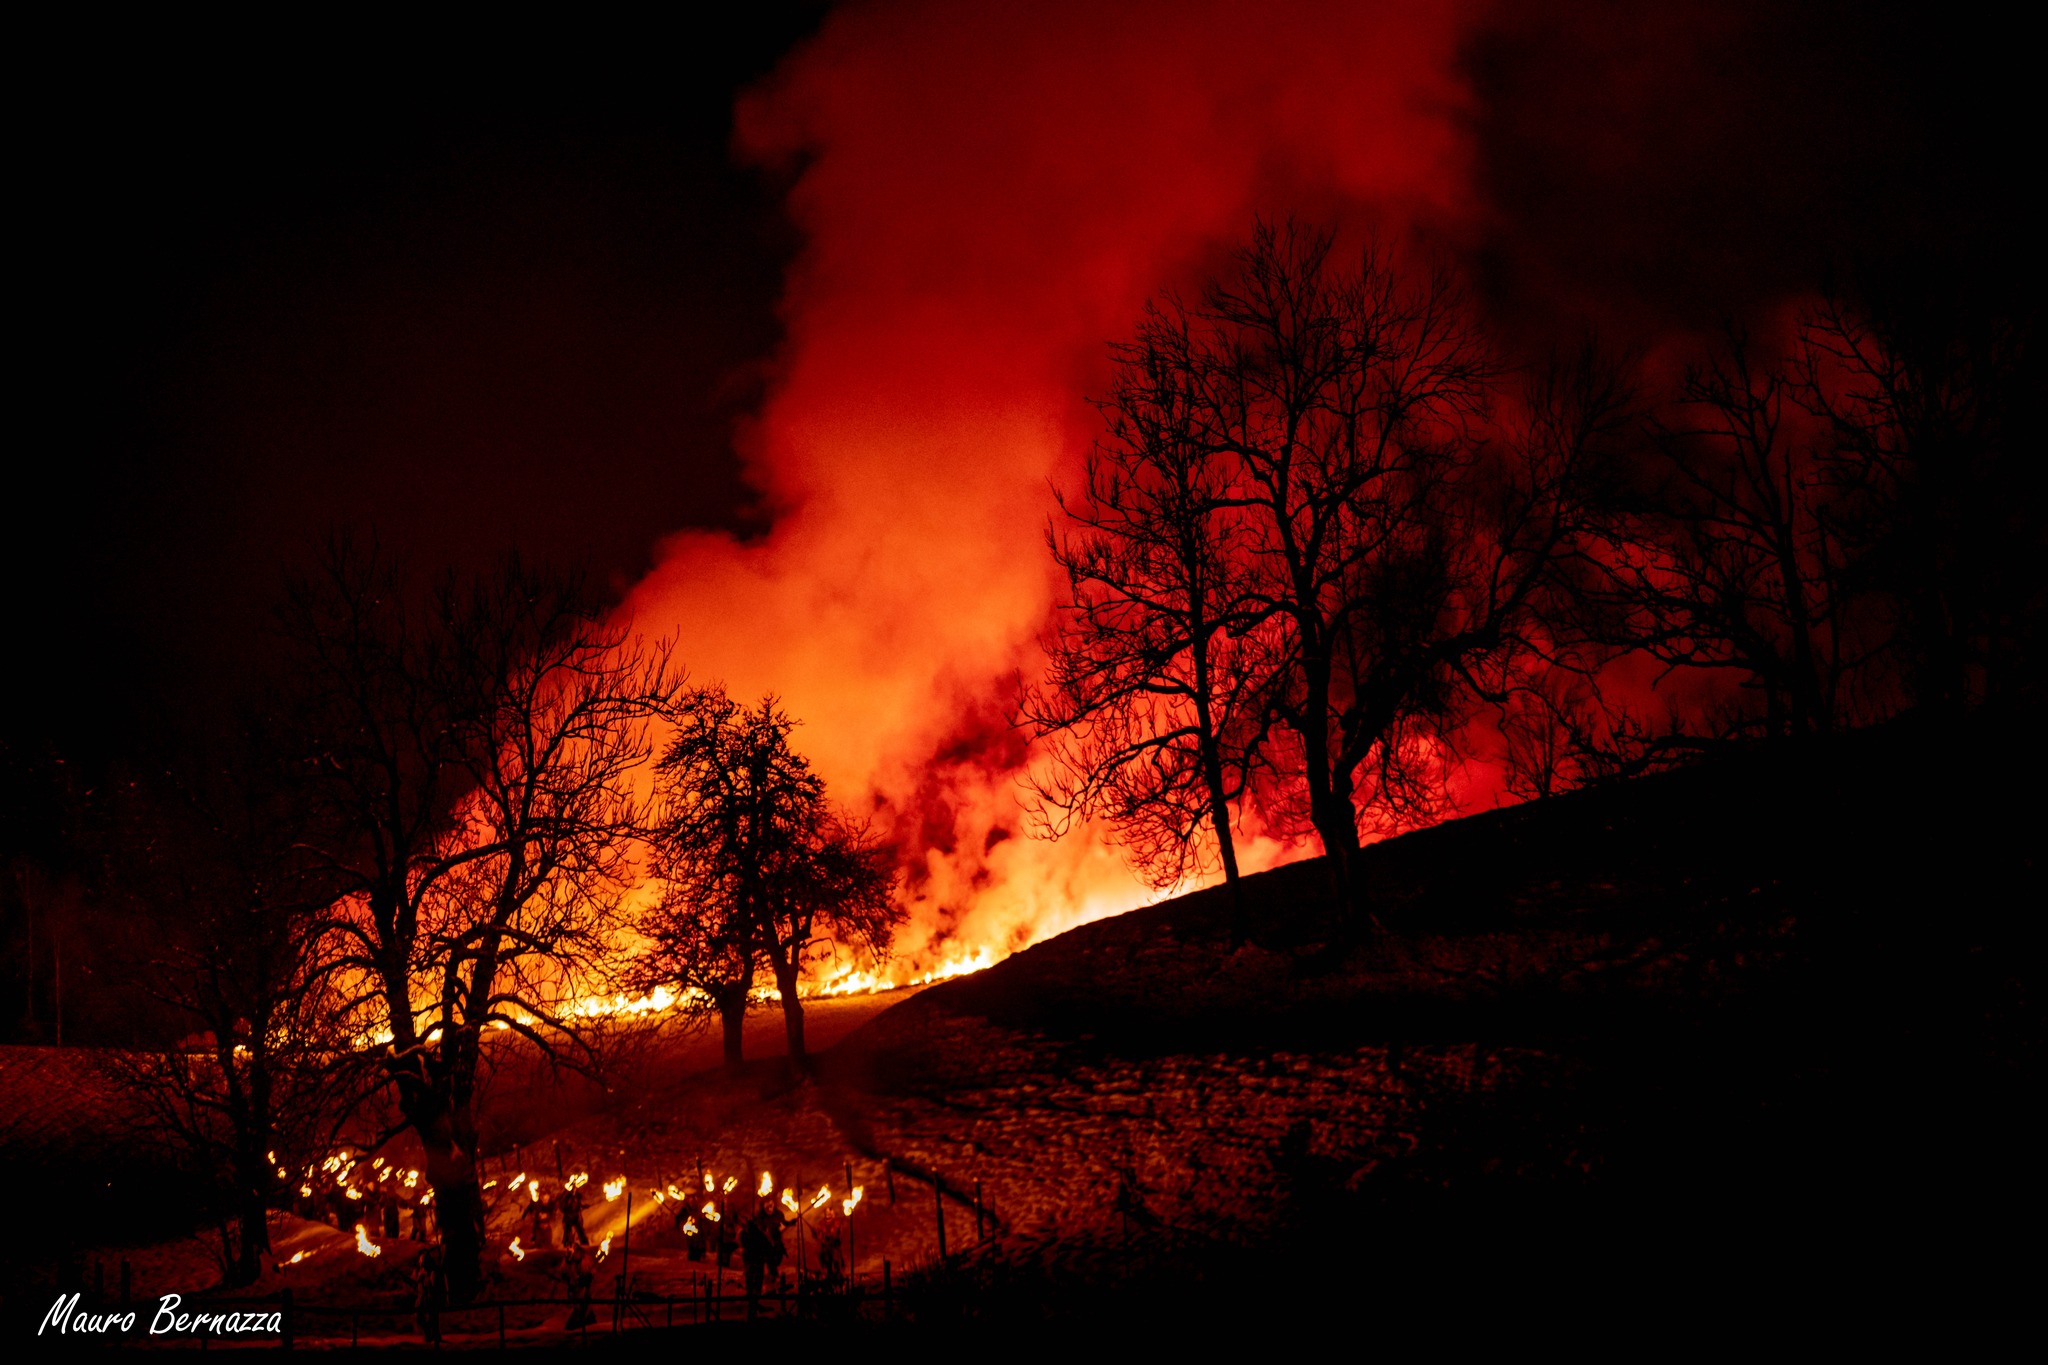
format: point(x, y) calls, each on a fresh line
point(988, 193)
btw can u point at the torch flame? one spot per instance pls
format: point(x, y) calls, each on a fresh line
point(517, 1254)
point(614, 1188)
point(789, 1202)
point(767, 1186)
point(824, 1193)
point(730, 1181)
point(365, 1245)
point(689, 1227)
point(517, 1181)
point(710, 1210)
point(306, 1191)
point(709, 1186)
point(296, 1257)
point(852, 1202)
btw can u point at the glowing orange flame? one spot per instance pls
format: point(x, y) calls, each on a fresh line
point(296, 1257)
point(364, 1244)
point(689, 1227)
point(710, 1186)
point(852, 1201)
point(614, 1188)
point(789, 1202)
point(767, 1186)
point(730, 1182)
point(517, 1253)
point(824, 1193)
point(604, 1248)
point(710, 1210)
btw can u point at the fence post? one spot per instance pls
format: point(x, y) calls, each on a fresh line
point(501, 1326)
point(978, 1233)
point(939, 1212)
point(284, 1311)
point(888, 1304)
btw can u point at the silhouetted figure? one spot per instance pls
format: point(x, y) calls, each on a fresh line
point(540, 1213)
point(572, 1218)
point(693, 1235)
point(390, 1202)
point(831, 1257)
point(761, 1253)
point(430, 1292)
point(579, 1270)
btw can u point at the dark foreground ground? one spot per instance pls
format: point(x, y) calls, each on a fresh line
point(1759, 1035)
point(1701, 1053)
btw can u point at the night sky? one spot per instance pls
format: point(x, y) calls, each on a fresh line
point(473, 297)
point(481, 292)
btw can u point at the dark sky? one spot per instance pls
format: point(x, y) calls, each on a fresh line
point(511, 291)
point(474, 296)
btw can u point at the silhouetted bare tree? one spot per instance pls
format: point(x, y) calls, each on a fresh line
point(1923, 395)
point(1731, 560)
point(478, 760)
point(1148, 714)
point(753, 850)
point(224, 908)
point(1390, 546)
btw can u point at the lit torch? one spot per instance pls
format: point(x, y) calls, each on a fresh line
point(767, 1186)
point(852, 1202)
point(614, 1188)
point(517, 1253)
point(365, 1245)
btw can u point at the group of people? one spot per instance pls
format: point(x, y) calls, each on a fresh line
point(564, 1208)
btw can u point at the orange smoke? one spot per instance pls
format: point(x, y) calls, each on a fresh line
point(988, 194)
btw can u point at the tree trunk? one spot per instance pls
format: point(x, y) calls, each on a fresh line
point(1219, 804)
point(732, 1014)
point(1219, 816)
point(459, 1211)
point(254, 1221)
point(792, 1014)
